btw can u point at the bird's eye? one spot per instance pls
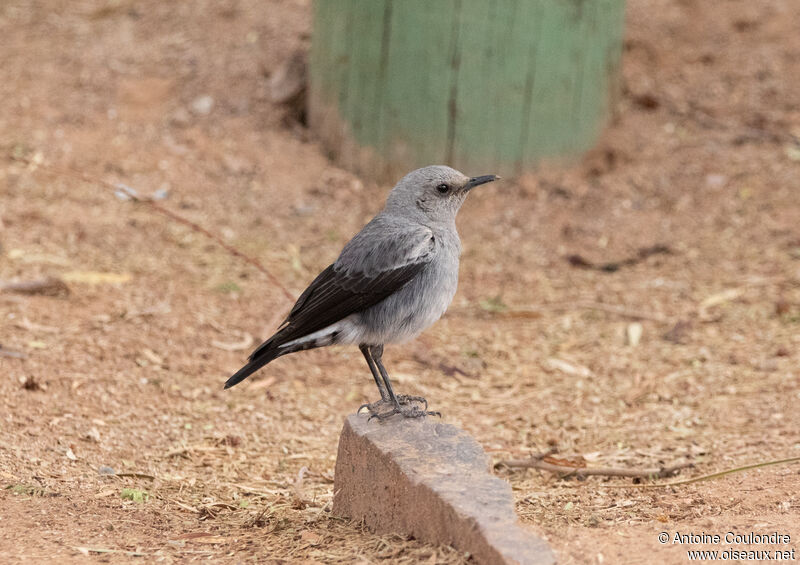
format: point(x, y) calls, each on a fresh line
point(442, 188)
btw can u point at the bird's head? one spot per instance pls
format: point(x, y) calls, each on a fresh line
point(436, 191)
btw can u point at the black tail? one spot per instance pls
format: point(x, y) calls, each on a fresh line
point(271, 350)
point(260, 357)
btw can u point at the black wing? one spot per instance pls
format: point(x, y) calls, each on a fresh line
point(370, 268)
point(334, 296)
point(375, 271)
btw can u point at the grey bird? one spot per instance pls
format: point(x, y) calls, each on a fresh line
point(394, 279)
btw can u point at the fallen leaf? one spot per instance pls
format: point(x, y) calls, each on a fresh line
point(310, 537)
point(106, 493)
point(290, 80)
point(23, 256)
point(793, 153)
point(26, 324)
point(493, 304)
point(134, 494)
point(717, 299)
point(294, 258)
point(353, 395)
point(263, 384)
point(152, 356)
point(228, 287)
point(555, 364)
point(87, 550)
point(201, 537)
point(96, 277)
point(245, 343)
point(213, 539)
point(633, 334)
point(298, 483)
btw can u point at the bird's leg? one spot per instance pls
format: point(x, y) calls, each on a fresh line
point(377, 358)
point(365, 349)
point(398, 401)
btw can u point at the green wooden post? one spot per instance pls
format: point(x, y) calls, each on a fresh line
point(482, 85)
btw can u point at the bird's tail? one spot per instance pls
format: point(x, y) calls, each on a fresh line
point(278, 345)
point(260, 357)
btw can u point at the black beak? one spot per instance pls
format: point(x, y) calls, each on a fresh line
point(475, 181)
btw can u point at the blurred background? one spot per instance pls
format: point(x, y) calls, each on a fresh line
point(629, 295)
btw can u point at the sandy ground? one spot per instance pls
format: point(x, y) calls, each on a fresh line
point(126, 370)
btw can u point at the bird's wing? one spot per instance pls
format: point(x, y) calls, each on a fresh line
point(371, 267)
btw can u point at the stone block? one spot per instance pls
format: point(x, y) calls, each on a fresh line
point(430, 480)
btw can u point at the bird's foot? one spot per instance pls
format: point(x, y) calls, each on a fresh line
point(402, 399)
point(373, 407)
point(406, 399)
point(405, 412)
point(406, 407)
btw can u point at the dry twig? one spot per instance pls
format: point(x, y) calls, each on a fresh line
point(264, 493)
point(245, 343)
point(88, 550)
point(135, 476)
point(712, 475)
point(182, 505)
point(614, 266)
point(48, 286)
point(136, 197)
point(544, 462)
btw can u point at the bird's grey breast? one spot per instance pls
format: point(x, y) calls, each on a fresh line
point(422, 301)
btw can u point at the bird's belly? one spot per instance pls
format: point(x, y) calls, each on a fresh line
point(409, 311)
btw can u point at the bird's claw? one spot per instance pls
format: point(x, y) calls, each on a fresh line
point(405, 407)
point(372, 406)
point(402, 399)
point(412, 412)
point(405, 399)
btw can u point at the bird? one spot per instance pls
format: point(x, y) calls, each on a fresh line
point(392, 280)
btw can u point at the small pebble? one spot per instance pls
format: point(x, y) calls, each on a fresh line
point(716, 180)
point(202, 105)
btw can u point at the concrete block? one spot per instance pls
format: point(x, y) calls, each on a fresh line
point(430, 480)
